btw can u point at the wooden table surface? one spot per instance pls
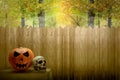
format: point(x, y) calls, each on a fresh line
point(31, 74)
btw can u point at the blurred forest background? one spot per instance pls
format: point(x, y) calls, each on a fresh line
point(56, 13)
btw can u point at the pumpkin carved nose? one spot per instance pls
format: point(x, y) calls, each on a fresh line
point(21, 60)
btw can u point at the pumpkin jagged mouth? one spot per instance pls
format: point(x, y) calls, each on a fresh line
point(21, 65)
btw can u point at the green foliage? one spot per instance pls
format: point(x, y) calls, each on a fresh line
point(57, 12)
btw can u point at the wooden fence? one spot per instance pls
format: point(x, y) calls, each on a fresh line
point(71, 53)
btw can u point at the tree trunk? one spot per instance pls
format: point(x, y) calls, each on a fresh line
point(6, 19)
point(109, 22)
point(91, 16)
point(22, 17)
point(40, 1)
point(91, 19)
point(33, 22)
point(6, 14)
point(41, 16)
point(99, 20)
point(22, 21)
point(109, 17)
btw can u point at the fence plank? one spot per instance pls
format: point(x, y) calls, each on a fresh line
point(71, 52)
point(96, 51)
point(10, 42)
point(28, 38)
point(19, 37)
point(43, 41)
point(50, 45)
point(80, 56)
point(117, 52)
point(59, 53)
point(92, 53)
point(104, 37)
point(111, 51)
point(107, 52)
point(2, 48)
point(66, 54)
point(36, 41)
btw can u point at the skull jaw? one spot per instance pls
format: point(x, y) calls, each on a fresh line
point(37, 68)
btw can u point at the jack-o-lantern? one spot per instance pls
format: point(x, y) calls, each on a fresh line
point(21, 58)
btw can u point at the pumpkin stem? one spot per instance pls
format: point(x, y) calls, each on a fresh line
point(20, 45)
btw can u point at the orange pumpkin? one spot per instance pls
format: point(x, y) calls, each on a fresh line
point(21, 58)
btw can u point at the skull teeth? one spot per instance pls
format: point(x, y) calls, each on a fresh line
point(20, 65)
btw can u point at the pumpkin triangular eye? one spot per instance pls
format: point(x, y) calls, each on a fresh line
point(16, 54)
point(26, 54)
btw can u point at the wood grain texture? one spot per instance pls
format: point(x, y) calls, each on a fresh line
point(71, 53)
point(2, 48)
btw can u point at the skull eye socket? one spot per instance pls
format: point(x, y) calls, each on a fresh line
point(16, 54)
point(26, 54)
point(44, 61)
point(40, 62)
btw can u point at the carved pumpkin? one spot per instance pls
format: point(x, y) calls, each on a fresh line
point(21, 58)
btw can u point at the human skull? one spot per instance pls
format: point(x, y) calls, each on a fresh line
point(39, 63)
